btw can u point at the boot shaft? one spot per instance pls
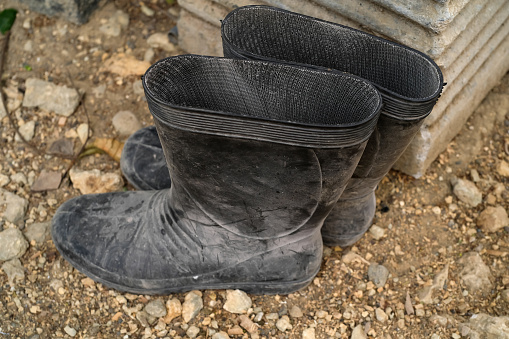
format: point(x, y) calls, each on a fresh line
point(245, 140)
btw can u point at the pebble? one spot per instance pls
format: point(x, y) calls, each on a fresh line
point(192, 331)
point(144, 318)
point(467, 192)
point(221, 335)
point(435, 336)
point(12, 244)
point(476, 275)
point(493, 219)
point(4, 180)
point(149, 55)
point(70, 331)
point(485, 326)
point(38, 232)
point(19, 178)
point(46, 95)
point(378, 274)
point(350, 257)
point(358, 333)
point(438, 319)
point(156, 308)
point(126, 123)
point(235, 330)
point(193, 304)
point(505, 295)
point(425, 295)
point(118, 21)
point(95, 181)
point(380, 315)
point(237, 301)
point(173, 310)
point(248, 324)
point(28, 46)
point(27, 131)
point(503, 168)
point(308, 333)
point(15, 206)
point(475, 175)
point(14, 270)
point(47, 181)
point(83, 131)
point(125, 65)
point(377, 232)
point(272, 316)
point(296, 312)
point(160, 40)
point(436, 210)
point(138, 88)
point(284, 324)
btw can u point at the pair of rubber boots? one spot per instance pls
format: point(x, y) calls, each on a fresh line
point(262, 147)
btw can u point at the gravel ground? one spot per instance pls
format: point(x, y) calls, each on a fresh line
point(435, 265)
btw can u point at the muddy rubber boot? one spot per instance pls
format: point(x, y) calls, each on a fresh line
point(258, 153)
point(409, 81)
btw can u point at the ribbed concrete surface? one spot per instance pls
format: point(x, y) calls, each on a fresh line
point(467, 38)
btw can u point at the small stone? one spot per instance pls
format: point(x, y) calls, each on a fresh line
point(237, 301)
point(19, 178)
point(408, 304)
point(125, 65)
point(115, 24)
point(46, 95)
point(474, 175)
point(455, 336)
point(126, 123)
point(377, 232)
point(419, 312)
point(284, 324)
point(62, 146)
point(15, 206)
point(156, 308)
point(503, 168)
point(14, 271)
point(160, 40)
point(436, 210)
point(295, 312)
point(145, 319)
point(438, 319)
point(38, 232)
point(321, 314)
point(28, 46)
point(467, 192)
point(87, 282)
point(173, 310)
point(272, 316)
point(491, 199)
point(4, 180)
point(308, 333)
point(95, 181)
point(493, 219)
point(82, 131)
point(12, 244)
point(358, 333)
point(70, 331)
point(425, 295)
point(27, 131)
point(192, 306)
point(138, 88)
point(248, 324)
point(221, 335)
point(149, 55)
point(475, 275)
point(380, 315)
point(147, 11)
point(235, 330)
point(485, 326)
point(378, 274)
point(192, 331)
point(350, 257)
point(505, 295)
point(47, 181)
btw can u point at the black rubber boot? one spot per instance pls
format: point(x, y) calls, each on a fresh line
point(258, 153)
point(409, 81)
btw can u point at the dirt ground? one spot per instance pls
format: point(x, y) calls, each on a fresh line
point(427, 228)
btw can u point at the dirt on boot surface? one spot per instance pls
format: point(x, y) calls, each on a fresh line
point(435, 266)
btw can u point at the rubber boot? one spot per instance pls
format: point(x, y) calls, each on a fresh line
point(409, 81)
point(258, 153)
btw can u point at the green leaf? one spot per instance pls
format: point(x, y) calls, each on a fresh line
point(7, 17)
point(171, 2)
point(27, 67)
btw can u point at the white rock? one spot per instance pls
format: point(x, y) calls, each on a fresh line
point(173, 310)
point(27, 131)
point(46, 95)
point(126, 123)
point(476, 275)
point(193, 304)
point(19, 178)
point(493, 219)
point(15, 206)
point(70, 331)
point(147, 11)
point(221, 335)
point(505, 295)
point(485, 326)
point(12, 244)
point(160, 40)
point(38, 232)
point(95, 181)
point(4, 180)
point(156, 308)
point(377, 232)
point(381, 316)
point(14, 270)
point(308, 333)
point(503, 168)
point(82, 131)
point(358, 333)
point(378, 274)
point(295, 312)
point(192, 331)
point(284, 324)
point(467, 192)
point(237, 301)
